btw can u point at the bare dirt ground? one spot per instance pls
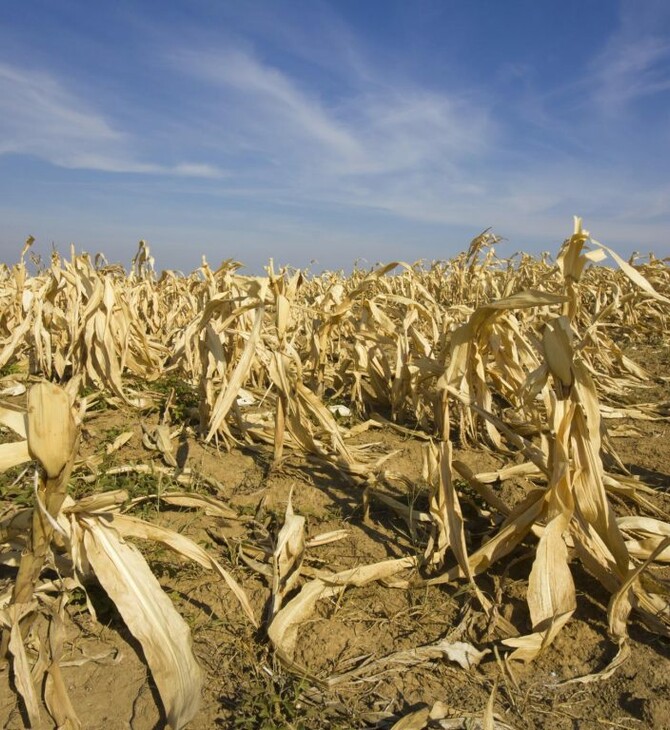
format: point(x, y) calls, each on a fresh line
point(246, 687)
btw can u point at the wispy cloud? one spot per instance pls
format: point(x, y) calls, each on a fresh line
point(39, 116)
point(632, 69)
point(402, 150)
point(635, 61)
point(268, 90)
point(375, 143)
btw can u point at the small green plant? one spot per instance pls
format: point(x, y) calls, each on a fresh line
point(95, 402)
point(135, 484)
point(109, 434)
point(11, 368)
point(273, 702)
point(181, 396)
point(16, 486)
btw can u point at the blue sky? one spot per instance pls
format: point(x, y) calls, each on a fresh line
point(325, 132)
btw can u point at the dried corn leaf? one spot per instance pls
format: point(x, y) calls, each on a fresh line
point(150, 616)
point(228, 395)
point(416, 720)
point(287, 557)
point(121, 440)
point(467, 656)
point(13, 454)
point(510, 534)
point(445, 509)
point(10, 618)
point(631, 589)
point(164, 444)
point(651, 533)
point(635, 276)
point(283, 631)
point(551, 589)
point(209, 505)
point(128, 526)
point(51, 428)
point(14, 418)
point(528, 647)
point(56, 696)
point(325, 538)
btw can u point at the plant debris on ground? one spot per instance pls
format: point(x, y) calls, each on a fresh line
point(416, 496)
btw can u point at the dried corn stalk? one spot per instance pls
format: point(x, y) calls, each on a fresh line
point(87, 539)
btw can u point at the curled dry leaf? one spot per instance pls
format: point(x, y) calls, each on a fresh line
point(325, 538)
point(150, 617)
point(287, 557)
point(121, 440)
point(10, 618)
point(283, 631)
point(462, 653)
point(128, 526)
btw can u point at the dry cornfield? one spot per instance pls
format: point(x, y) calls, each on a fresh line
point(393, 483)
